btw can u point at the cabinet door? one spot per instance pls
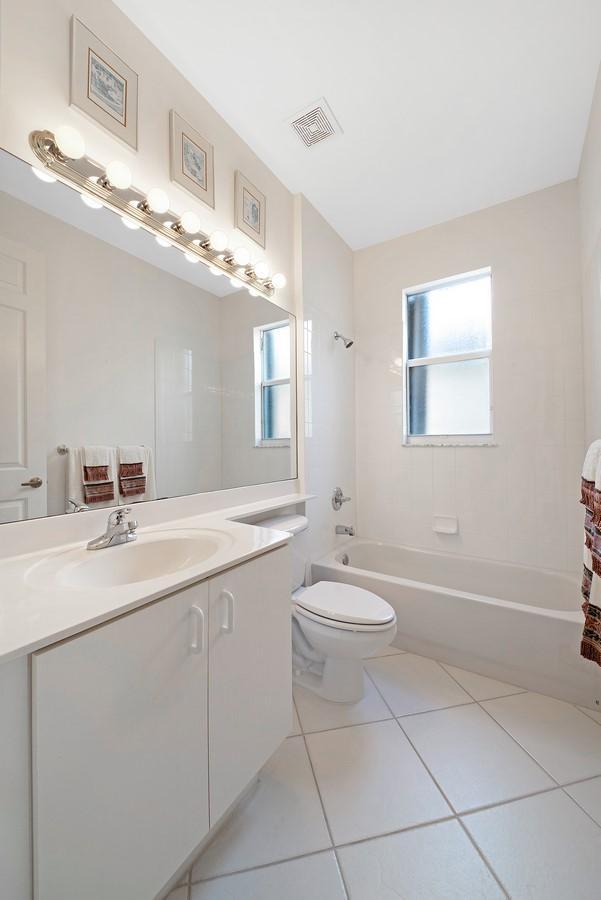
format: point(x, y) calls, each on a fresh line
point(250, 672)
point(120, 774)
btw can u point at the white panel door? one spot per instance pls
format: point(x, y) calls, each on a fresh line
point(23, 383)
point(250, 692)
point(120, 773)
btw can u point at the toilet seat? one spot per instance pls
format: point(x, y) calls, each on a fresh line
point(344, 606)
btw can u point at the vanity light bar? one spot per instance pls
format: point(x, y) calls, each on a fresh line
point(132, 205)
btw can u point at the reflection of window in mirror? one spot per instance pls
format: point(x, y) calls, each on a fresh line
point(272, 384)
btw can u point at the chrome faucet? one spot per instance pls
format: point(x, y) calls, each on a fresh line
point(77, 506)
point(118, 531)
point(345, 529)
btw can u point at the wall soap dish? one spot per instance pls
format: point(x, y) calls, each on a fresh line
point(445, 524)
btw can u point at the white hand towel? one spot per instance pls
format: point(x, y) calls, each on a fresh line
point(98, 456)
point(132, 455)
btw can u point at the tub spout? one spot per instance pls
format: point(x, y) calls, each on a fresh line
point(345, 529)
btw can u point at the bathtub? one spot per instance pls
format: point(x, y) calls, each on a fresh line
point(514, 623)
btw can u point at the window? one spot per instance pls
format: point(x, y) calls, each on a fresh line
point(447, 371)
point(272, 385)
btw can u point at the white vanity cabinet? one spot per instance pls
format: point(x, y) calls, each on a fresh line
point(126, 715)
point(119, 731)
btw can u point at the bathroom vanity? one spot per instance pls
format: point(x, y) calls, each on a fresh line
point(142, 686)
point(136, 712)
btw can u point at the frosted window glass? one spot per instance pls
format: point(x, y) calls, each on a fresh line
point(276, 412)
point(276, 353)
point(453, 318)
point(450, 398)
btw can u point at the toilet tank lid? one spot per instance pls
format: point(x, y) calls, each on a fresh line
point(291, 524)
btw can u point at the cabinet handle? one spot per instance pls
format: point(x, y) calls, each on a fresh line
point(227, 625)
point(197, 644)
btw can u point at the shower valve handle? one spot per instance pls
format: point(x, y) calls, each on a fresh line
point(338, 499)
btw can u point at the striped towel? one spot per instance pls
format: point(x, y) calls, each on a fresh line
point(590, 646)
point(98, 482)
point(132, 475)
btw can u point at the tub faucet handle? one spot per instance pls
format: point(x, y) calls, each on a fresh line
point(338, 499)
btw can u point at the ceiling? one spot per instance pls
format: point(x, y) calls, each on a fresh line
point(446, 107)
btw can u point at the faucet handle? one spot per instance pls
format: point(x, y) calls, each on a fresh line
point(117, 516)
point(338, 499)
point(132, 525)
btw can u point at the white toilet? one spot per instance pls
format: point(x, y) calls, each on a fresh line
point(334, 627)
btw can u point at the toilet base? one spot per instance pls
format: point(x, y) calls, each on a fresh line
point(342, 680)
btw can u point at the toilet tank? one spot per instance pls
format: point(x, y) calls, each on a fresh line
point(293, 524)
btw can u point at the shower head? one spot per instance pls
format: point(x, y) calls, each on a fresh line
point(348, 342)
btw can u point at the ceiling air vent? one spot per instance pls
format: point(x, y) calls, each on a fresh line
point(315, 123)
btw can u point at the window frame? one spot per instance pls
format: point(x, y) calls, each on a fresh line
point(260, 383)
point(446, 440)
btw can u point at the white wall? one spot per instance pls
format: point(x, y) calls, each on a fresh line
point(34, 93)
point(589, 190)
point(329, 378)
point(517, 501)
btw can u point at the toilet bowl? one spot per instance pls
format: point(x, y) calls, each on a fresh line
point(334, 626)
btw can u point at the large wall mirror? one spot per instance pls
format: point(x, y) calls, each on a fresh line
point(126, 372)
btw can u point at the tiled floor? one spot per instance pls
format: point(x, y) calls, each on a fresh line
point(439, 785)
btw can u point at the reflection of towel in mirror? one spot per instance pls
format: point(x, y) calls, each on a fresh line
point(590, 647)
point(136, 474)
point(90, 475)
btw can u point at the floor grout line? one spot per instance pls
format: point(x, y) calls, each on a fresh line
point(483, 857)
point(325, 815)
point(579, 805)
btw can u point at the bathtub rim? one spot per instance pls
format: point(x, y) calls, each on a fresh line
point(331, 560)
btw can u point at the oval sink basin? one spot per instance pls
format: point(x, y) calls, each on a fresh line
point(151, 556)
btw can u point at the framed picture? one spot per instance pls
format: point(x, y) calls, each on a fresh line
point(191, 160)
point(250, 209)
point(102, 85)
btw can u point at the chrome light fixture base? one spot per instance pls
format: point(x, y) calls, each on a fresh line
point(88, 177)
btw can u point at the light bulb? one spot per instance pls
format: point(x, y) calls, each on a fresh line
point(279, 281)
point(119, 175)
point(261, 269)
point(92, 202)
point(191, 257)
point(241, 256)
point(129, 223)
point(218, 241)
point(162, 242)
point(70, 142)
point(235, 282)
point(43, 175)
point(215, 271)
point(157, 200)
point(190, 222)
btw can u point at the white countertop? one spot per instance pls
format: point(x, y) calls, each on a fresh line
point(34, 614)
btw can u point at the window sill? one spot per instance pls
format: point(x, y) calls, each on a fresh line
point(465, 441)
point(275, 443)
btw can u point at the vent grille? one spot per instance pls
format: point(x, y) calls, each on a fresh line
point(316, 123)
